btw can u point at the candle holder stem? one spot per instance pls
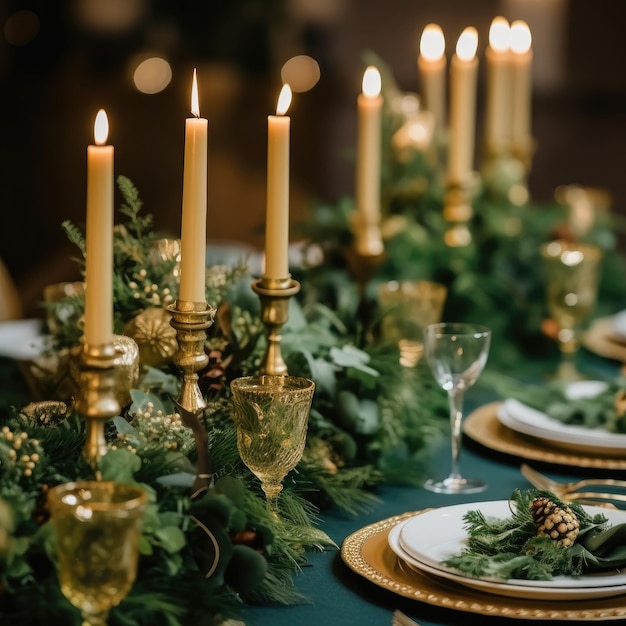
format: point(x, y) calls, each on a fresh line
point(274, 295)
point(190, 320)
point(362, 265)
point(458, 212)
point(97, 401)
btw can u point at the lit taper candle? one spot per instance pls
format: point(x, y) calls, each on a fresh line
point(431, 64)
point(463, 77)
point(99, 238)
point(193, 228)
point(369, 113)
point(499, 97)
point(521, 41)
point(277, 205)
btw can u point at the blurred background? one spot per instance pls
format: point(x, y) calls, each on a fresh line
point(62, 61)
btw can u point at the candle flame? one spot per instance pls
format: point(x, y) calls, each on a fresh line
point(101, 127)
point(371, 82)
point(284, 100)
point(500, 34)
point(195, 102)
point(521, 39)
point(432, 42)
point(467, 44)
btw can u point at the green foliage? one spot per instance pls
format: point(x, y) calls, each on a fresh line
point(510, 547)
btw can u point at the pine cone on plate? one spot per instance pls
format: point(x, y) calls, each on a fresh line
point(551, 520)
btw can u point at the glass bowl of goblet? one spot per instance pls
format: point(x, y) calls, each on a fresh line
point(272, 415)
point(97, 528)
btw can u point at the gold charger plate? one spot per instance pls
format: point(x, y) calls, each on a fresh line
point(367, 553)
point(484, 427)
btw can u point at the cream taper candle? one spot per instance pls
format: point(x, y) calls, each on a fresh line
point(521, 41)
point(499, 96)
point(277, 206)
point(99, 238)
point(369, 113)
point(193, 228)
point(431, 64)
point(463, 77)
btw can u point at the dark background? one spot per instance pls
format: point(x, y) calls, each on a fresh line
point(52, 85)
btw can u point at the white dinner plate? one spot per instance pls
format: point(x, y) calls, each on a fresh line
point(528, 421)
point(540, 591)
point(434, 536)
point(22, 339)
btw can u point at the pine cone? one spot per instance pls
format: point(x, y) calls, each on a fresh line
point(560, 524)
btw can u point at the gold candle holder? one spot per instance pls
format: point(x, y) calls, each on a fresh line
point(190, 320)
point(457, 211)
point(274, 295)
point(97, 400)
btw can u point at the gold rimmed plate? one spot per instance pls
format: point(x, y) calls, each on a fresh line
point(367, 553)
point(484, 427)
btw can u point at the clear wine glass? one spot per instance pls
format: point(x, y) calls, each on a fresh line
point(571, 277)
point(97, 528)
point(456, 354)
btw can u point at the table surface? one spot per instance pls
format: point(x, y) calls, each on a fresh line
point(339, 596)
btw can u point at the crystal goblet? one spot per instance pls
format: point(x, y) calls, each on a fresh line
point(97, 528)
point(571, 278)
point(406, 308)
point(457, 354)
point(272, 415)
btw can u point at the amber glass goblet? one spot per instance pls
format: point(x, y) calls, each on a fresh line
point(97, 528)
point(272, 415)
point(571, 272)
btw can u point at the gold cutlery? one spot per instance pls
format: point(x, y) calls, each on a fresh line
point(400, 619)
point(540, 481)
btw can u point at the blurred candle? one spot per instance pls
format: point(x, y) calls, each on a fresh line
point(521, 41)
point(431, 64)
point(99, 238)
point(369, 118)
point(277, 209)
point(499, 98)
point(463, 77)
point(193, 228)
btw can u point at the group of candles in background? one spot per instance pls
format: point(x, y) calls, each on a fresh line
point(507, 128)
point(508, 99)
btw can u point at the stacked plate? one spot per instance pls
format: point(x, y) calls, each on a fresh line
point(424, 541)
point(528, 421)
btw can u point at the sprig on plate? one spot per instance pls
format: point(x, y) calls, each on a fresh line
point(504, 548)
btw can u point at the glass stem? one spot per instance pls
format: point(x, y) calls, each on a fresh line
point(455, 398)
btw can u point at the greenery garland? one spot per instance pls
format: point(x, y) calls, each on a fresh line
point(371, 420)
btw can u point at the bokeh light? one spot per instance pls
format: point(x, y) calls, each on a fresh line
point(152, 75)
point(302, 72)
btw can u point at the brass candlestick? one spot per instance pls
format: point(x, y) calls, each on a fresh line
point(458, 212)
point(274, 295)
point(97, 401)
point(190, 320)
point(363, 258)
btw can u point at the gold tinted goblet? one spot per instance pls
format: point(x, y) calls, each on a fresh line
point(271, 414)
point(571, 278)
point(406, 308)
point(97, 528)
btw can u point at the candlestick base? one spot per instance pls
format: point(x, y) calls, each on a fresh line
point(97, 401)
point(362, 266)
point(505, 173)
point(458, 212)
point(274, 295)
point(190, 320)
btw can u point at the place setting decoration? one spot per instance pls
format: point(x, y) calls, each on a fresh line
point(498, 558)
